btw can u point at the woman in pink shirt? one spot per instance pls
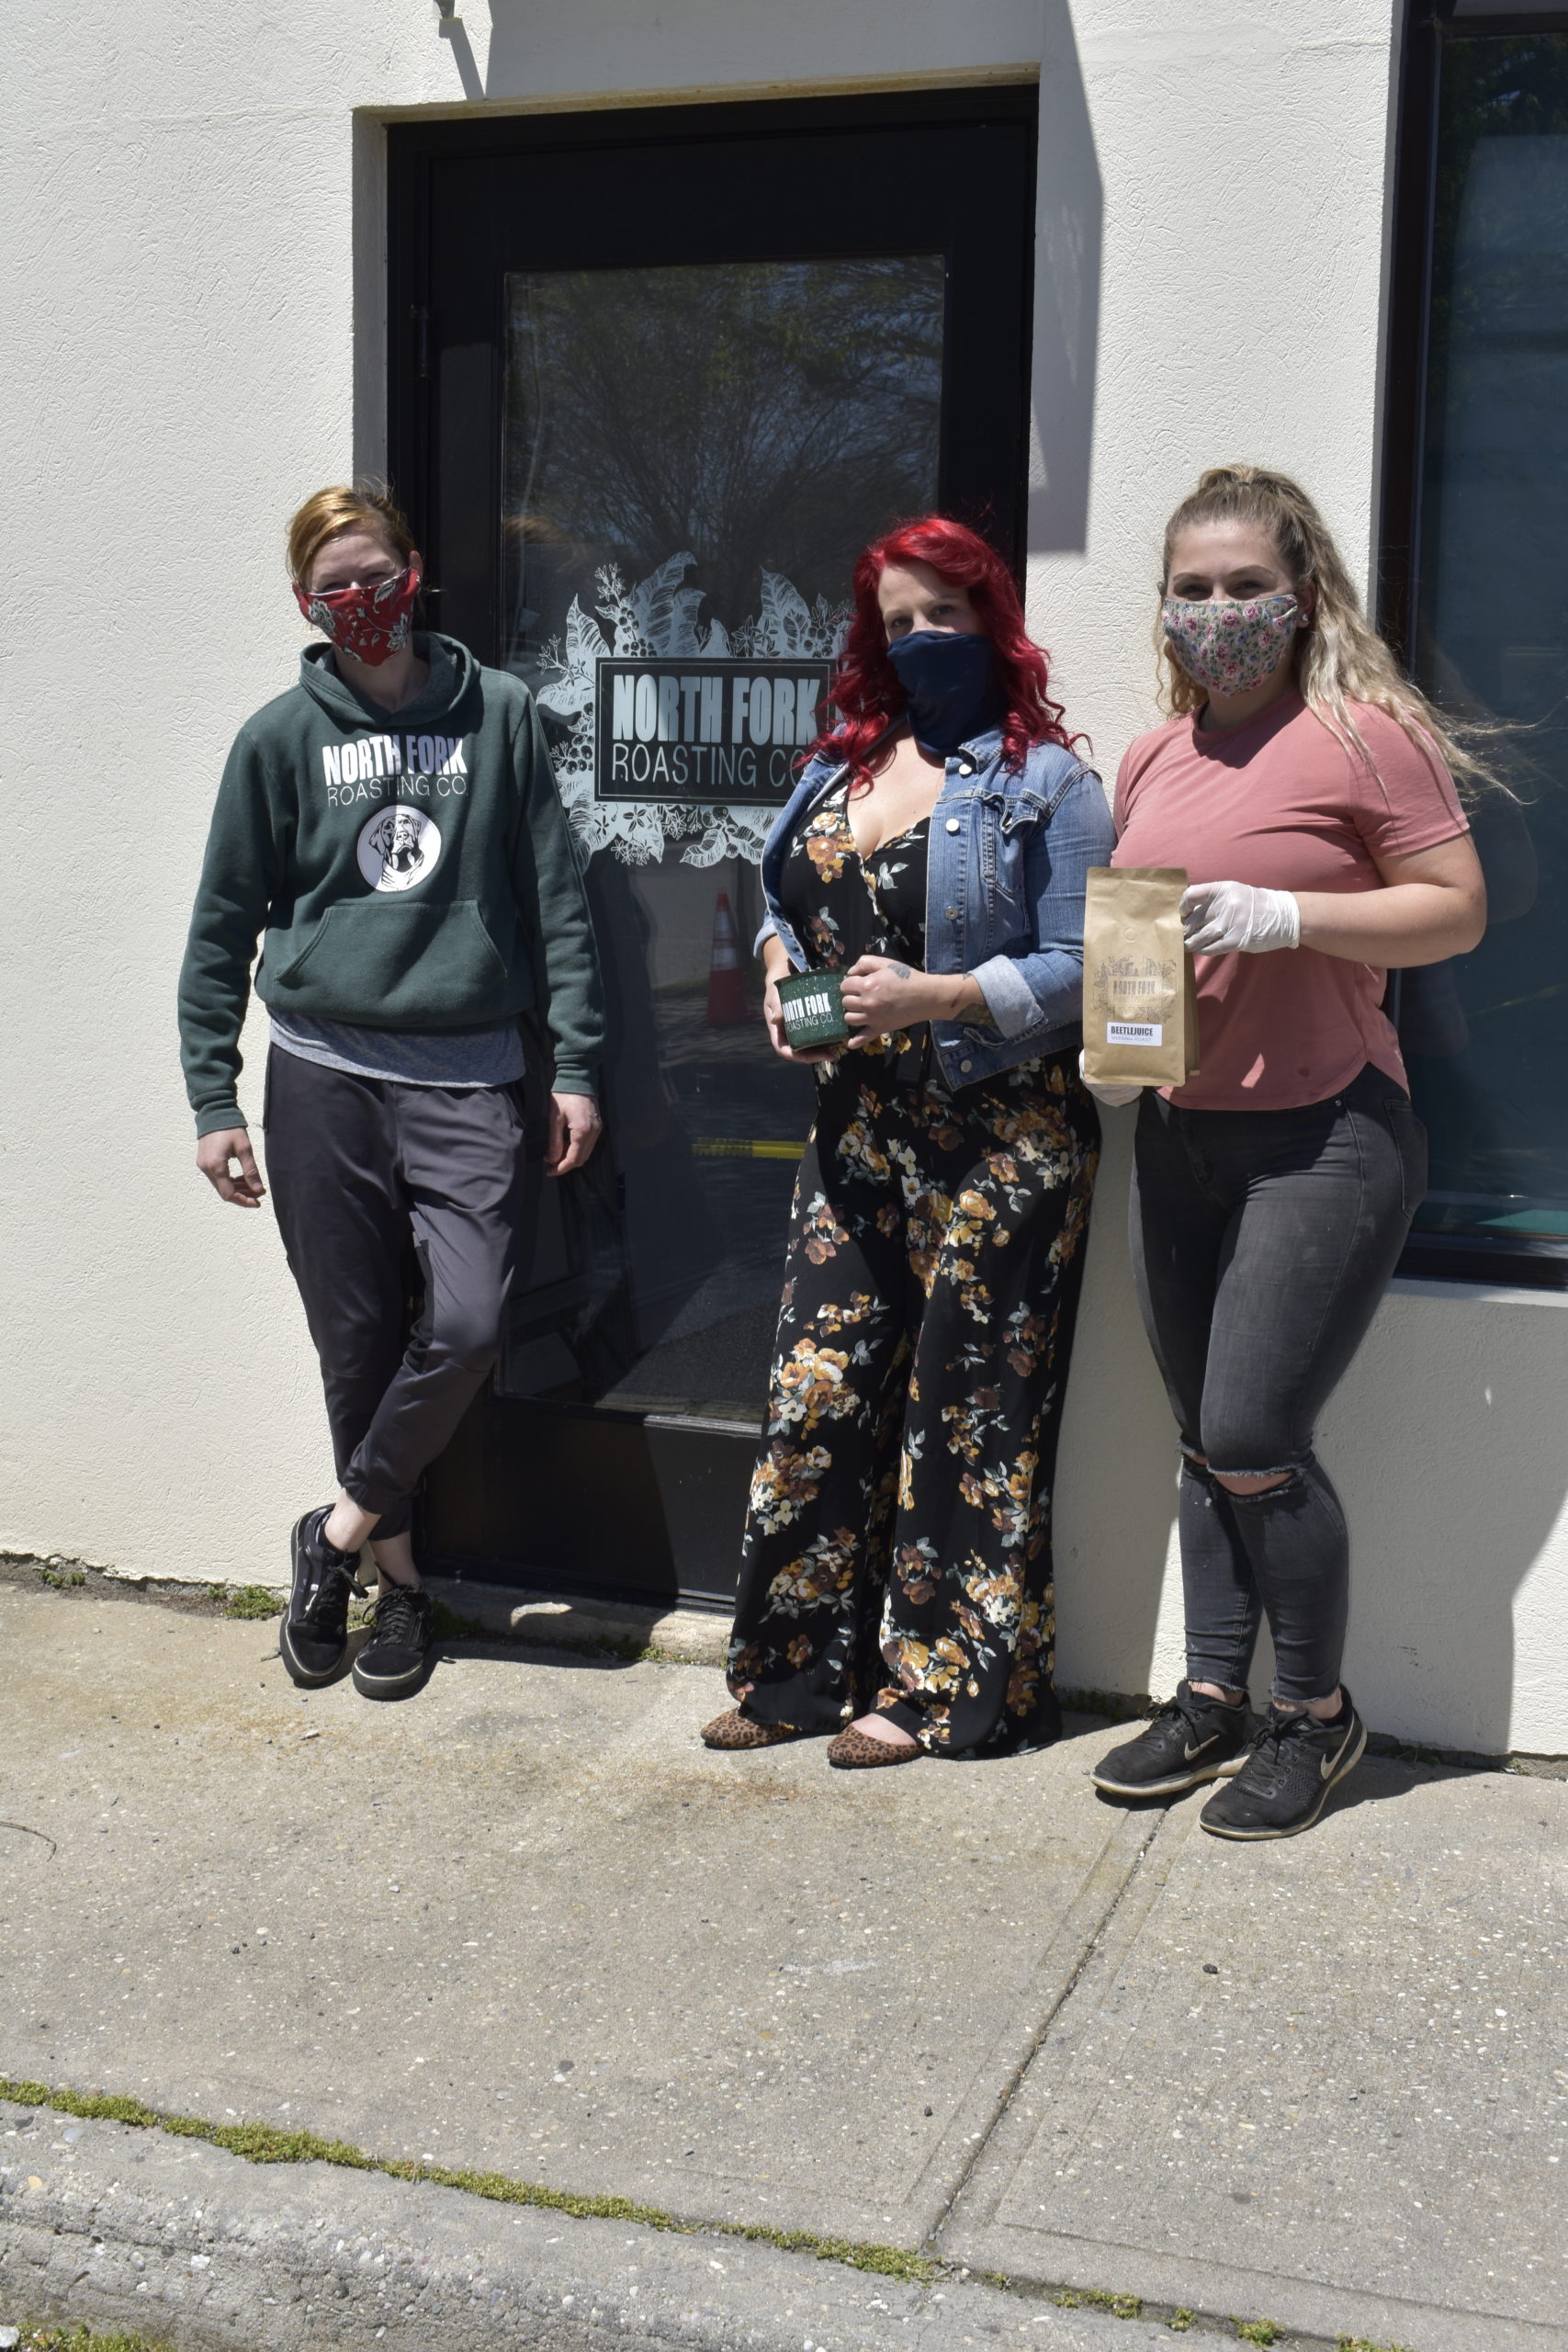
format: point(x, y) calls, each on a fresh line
point(1305, 787)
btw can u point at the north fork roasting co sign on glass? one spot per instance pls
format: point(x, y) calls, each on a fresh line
point(704, 729)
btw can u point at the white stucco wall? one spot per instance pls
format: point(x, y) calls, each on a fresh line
point(192, 296)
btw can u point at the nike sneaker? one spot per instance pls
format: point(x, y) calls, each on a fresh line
point(1192, 1740)
point(1284, 1783)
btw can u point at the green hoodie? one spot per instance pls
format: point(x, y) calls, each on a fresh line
point(411, 869)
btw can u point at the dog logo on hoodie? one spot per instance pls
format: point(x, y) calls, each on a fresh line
point(399, 848)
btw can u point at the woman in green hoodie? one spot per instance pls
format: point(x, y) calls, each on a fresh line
point(392, 825)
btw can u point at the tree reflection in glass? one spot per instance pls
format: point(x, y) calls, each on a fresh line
point(761, 414)
point(691, 457)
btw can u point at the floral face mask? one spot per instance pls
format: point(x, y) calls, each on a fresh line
point(1228, 647)
point(370, 623)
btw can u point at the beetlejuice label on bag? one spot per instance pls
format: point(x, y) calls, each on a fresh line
point(702, 729)
point(1134, 1033)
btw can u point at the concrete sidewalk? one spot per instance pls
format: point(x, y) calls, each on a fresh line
point(525, 1925)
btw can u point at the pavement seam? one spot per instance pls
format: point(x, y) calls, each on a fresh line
point(264, 2143)
point(1121, 1923)
point(1130, 1877)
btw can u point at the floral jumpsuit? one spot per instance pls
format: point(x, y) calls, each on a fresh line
point(897, 1546)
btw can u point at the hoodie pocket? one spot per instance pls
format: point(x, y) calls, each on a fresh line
point(393, 966)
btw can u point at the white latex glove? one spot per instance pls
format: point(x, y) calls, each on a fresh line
point(1239, 919)
point(1114, 1096)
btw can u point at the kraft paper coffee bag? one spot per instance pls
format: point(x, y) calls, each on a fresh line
point(1140, 1006)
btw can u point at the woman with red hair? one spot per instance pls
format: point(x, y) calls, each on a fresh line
point(896, 1585)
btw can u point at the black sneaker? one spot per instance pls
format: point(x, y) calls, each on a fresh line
point(1282, 1788)
point(392, 1662)
point(1192, 1739)
point(315, 1624)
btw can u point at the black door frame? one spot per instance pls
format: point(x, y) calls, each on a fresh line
point(649, 1505)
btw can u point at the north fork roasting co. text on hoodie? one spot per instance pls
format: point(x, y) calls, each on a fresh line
point(410, 869)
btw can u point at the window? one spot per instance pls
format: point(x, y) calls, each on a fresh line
point(1476, 584)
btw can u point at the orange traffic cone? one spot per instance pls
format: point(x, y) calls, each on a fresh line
point(726, 984)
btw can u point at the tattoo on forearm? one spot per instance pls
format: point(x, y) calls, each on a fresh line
point(902, 972)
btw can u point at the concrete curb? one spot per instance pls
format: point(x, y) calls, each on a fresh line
point(125, 2227)
point(687, 1637)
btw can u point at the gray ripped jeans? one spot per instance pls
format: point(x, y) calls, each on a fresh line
point(1262, 1243)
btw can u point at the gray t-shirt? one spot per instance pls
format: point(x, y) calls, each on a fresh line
point(406, 1056)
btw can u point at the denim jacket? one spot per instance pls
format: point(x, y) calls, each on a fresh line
point(1010, 851)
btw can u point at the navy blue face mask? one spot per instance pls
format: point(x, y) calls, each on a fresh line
point(948, 681)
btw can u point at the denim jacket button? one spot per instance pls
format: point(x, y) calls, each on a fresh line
point(953, 825)
point(965, 1065)
point(950, 914)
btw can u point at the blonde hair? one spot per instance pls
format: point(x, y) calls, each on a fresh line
point(1339, 657)
point(368, 506)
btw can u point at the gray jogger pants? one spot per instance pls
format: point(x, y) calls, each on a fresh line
point(361, 1169)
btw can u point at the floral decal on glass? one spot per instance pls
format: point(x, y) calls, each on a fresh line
point(658, 616)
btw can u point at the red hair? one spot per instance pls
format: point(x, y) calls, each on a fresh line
point(864, 689)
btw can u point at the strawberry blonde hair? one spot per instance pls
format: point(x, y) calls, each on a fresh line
point(367, 507)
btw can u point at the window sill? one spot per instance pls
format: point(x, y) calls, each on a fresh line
point(1476, 1294)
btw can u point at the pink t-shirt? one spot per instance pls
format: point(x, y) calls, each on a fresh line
point(1280, 801)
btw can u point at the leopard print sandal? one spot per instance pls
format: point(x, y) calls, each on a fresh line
point(733, 1730)
point(858, 1752)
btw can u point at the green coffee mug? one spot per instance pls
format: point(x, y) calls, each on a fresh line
point(813, 1008)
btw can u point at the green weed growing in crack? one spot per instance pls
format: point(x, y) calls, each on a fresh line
point(1257, 2331)
point(264, 2143)
point(448, 1626)
point(1181, 2320)
point(626, 1646)
point(1365, 2343)
point(1095, 2298)
point(251, 1600)
point(885, 2261)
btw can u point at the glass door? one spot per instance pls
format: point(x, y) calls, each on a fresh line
point(685, 415)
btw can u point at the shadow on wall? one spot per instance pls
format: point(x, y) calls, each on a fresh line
point(1068, 217)
point(1444, 1442)
point(455, 32)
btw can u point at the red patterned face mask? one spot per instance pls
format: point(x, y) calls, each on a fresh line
point(369, 623)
